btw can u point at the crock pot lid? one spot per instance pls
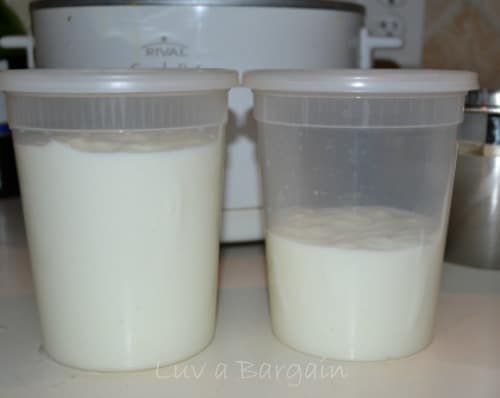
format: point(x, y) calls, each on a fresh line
point(323, 4)
point(384, 81)
point(116, 81)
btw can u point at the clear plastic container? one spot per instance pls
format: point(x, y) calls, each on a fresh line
point(358, 168)
point(121, 179)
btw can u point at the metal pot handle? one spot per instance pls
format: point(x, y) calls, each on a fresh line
point(369, 43)
point(20, 41)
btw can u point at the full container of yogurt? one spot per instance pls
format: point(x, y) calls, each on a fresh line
point(358, 170)
point(121, 175)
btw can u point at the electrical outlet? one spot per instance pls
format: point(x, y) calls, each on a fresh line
point(403, 19)
point(388, 26)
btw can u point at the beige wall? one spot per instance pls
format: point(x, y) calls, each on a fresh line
point(464, 34)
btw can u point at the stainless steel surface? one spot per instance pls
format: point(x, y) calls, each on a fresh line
point(482, 117)
point(474, 229)
point(322, 4)
point(484, 100)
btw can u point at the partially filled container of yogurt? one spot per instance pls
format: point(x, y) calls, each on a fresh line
point(121, 175)
point(358, 170)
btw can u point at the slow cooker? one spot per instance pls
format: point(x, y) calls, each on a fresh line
point(236, 34)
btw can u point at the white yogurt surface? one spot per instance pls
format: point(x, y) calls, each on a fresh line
point(354, 283)
point(124, 244)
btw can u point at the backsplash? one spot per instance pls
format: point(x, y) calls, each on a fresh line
point(464, 34)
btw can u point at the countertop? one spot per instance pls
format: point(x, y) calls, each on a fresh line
point(245, 360)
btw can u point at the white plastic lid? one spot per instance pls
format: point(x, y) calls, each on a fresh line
point(372, 81)
point(116, 81)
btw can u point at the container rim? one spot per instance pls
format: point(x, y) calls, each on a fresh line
point(116, 81)
point(314, 4)
point(359, 81)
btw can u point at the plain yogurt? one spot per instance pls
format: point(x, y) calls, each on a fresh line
point(123, 235)
point(354, 283)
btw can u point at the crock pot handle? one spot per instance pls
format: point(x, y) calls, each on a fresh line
point(25, 42)
point(369, 43)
